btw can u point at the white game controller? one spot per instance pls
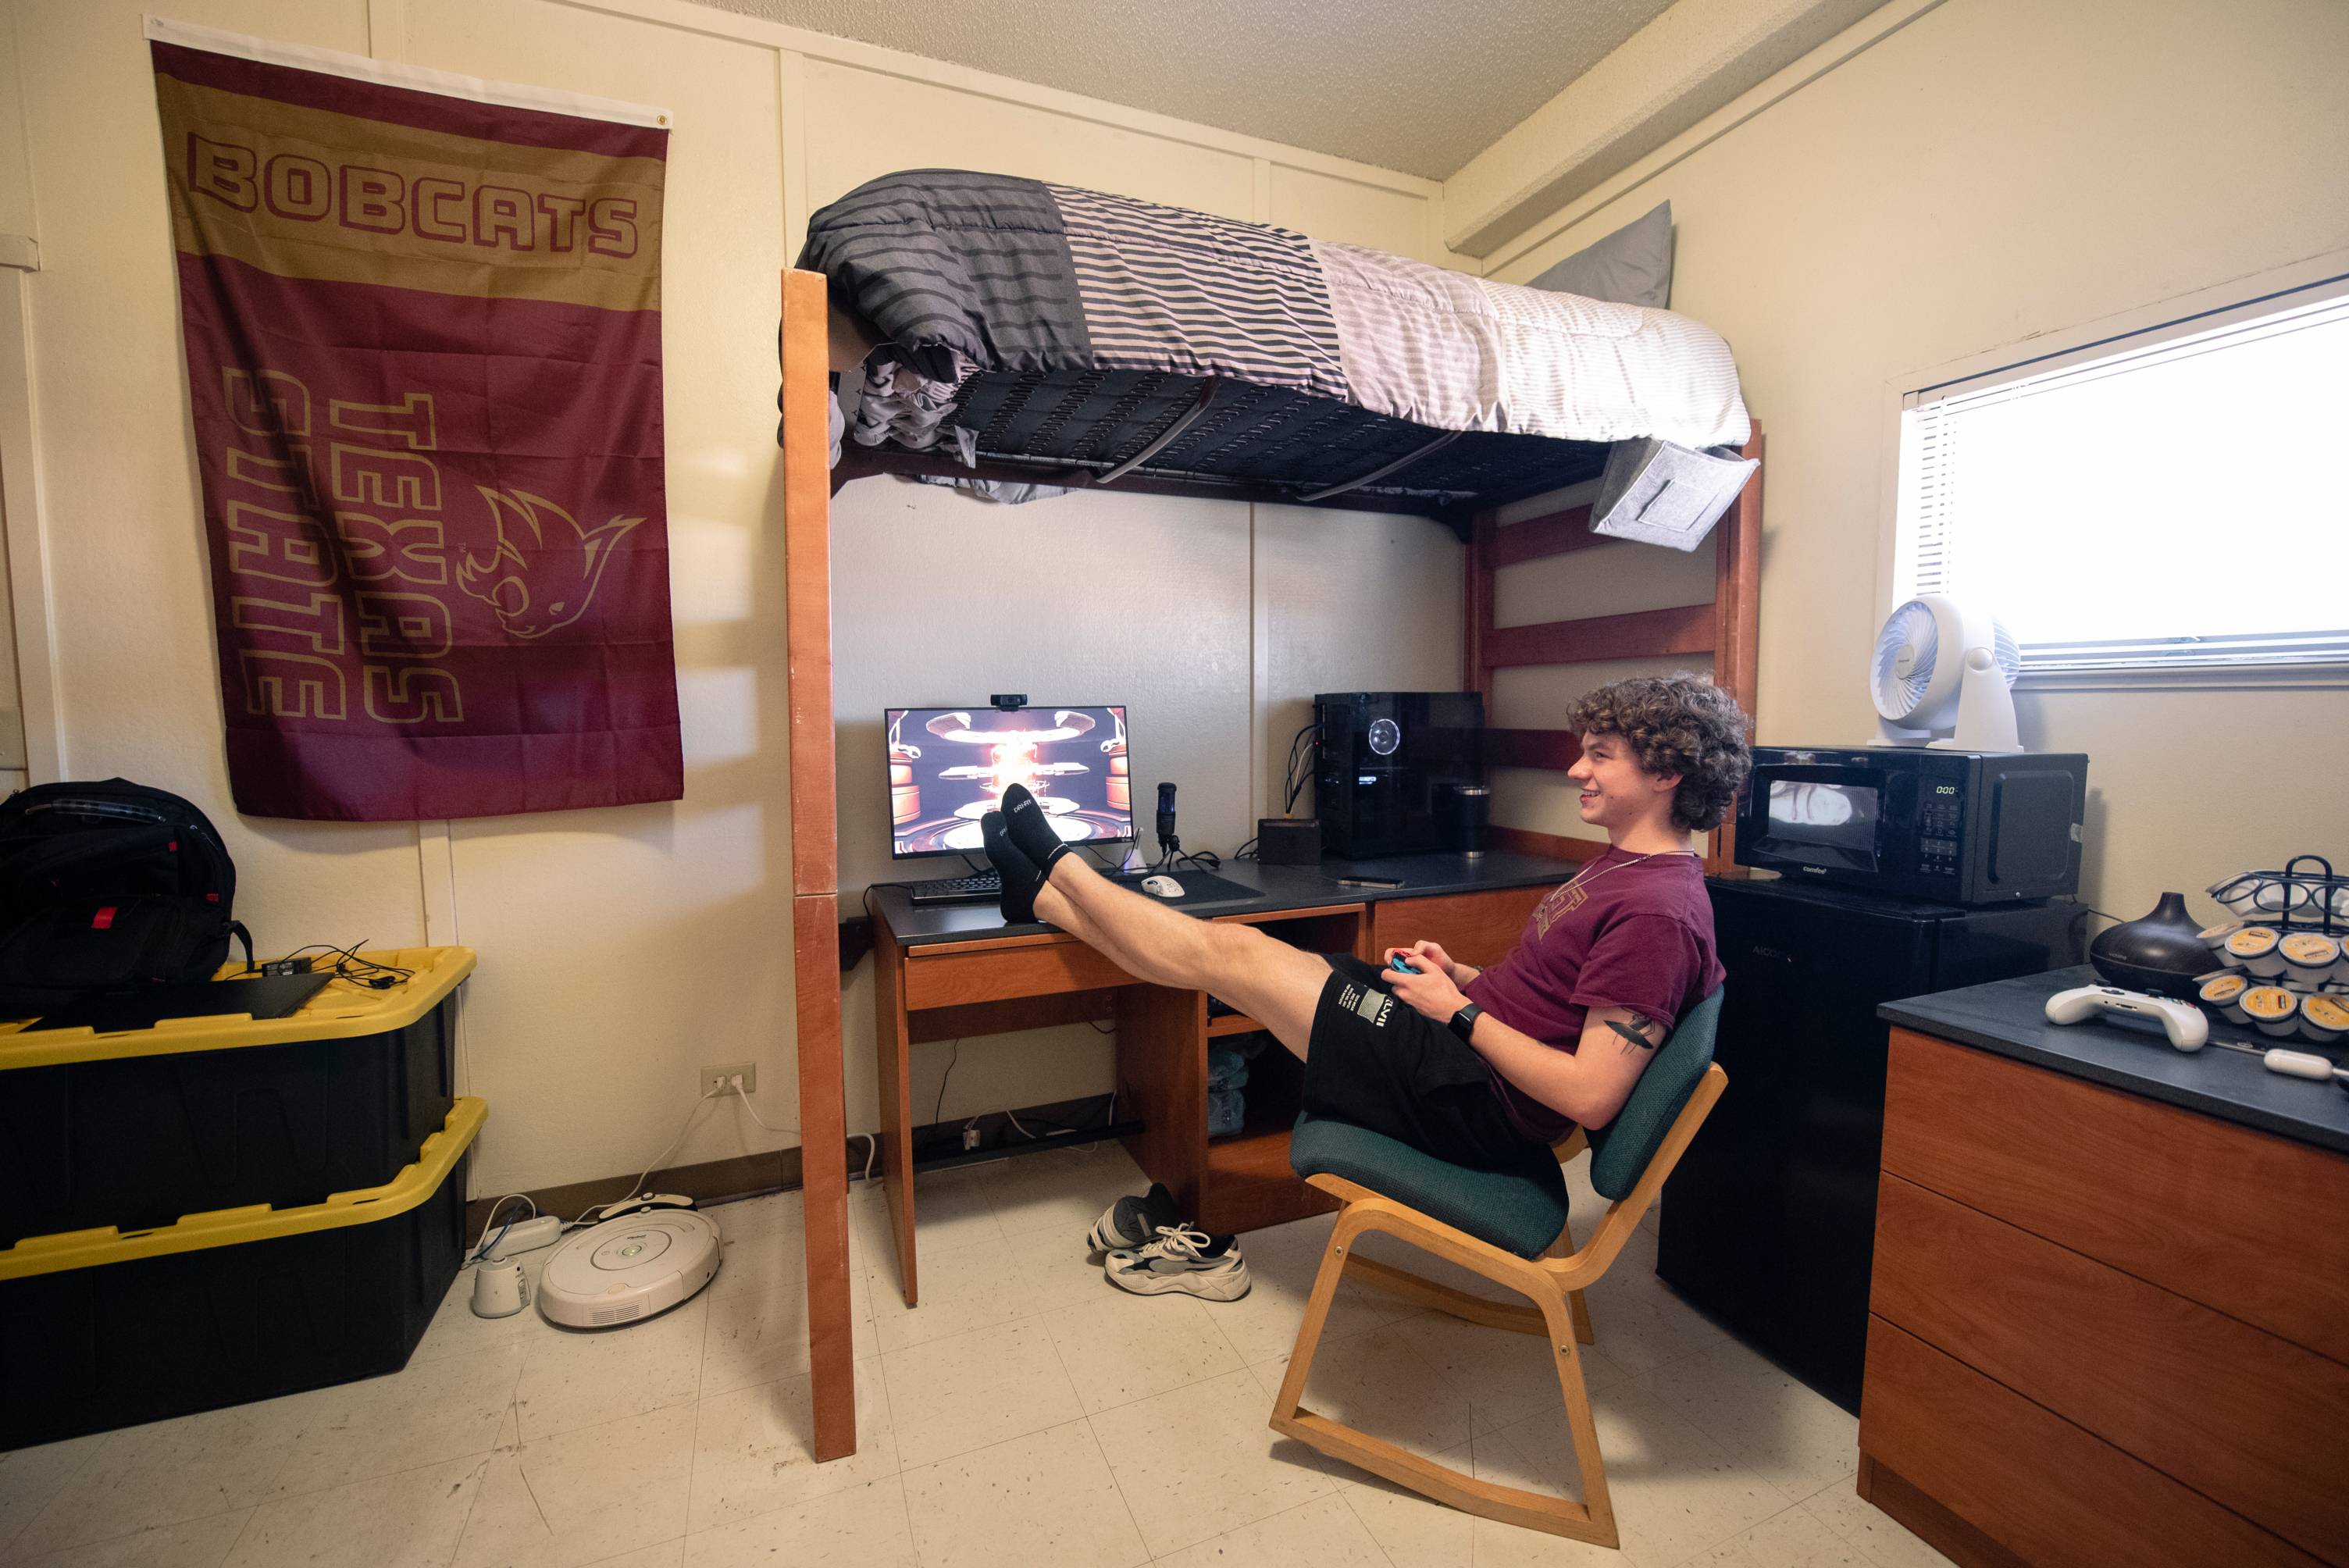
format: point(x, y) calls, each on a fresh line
point(2183, 1022)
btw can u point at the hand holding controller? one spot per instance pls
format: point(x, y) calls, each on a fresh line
point(2183, 1022)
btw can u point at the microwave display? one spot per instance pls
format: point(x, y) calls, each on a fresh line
point(1835, 822)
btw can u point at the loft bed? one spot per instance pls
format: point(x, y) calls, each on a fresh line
point(987, 330)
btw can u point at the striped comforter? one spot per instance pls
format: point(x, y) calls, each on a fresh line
point(962, 273)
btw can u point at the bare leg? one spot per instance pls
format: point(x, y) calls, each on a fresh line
point(1274, 983)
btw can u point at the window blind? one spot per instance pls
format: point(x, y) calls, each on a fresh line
point(2179, 497)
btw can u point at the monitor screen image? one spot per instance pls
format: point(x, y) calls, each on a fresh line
point(950, 766)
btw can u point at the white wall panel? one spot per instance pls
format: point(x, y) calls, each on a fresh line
point(622, 949)
point(1327, 207)
point(866, 123)
point(1358, 601)
point(1142, 600)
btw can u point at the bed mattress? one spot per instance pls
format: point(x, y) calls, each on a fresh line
point(1030, 321)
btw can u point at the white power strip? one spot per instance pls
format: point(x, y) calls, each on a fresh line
point(526, 1236)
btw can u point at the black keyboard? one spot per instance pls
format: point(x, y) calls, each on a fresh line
point(986, 887)
point(983, 888)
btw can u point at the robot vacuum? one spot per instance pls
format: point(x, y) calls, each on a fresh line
point(628, 1269)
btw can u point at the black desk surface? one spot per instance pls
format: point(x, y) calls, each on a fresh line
point(2008, 1017)
point(1279, 888)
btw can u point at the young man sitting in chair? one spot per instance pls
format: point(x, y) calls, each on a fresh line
point(1471, 1066)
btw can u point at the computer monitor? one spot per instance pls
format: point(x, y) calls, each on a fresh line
point(950, 766)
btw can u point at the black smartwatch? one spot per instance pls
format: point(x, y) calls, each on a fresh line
point(1464, 1021)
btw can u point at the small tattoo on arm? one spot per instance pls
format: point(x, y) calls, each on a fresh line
point(1635, 1034)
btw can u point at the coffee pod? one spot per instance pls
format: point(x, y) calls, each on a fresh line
point(2254, 948)
point(2324, 1019)
point(2214, 937)
point(2275, 1010)
point(2225, 992)
point(2309, 957)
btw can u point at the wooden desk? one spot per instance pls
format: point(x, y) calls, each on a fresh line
point(954, 971)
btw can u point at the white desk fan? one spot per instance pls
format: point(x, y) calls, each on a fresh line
point(1943, 676)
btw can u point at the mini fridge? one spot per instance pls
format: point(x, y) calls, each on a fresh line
point(1768, 1223)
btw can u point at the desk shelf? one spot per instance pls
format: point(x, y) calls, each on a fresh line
point(1224, 1023)
point(1250, 1184)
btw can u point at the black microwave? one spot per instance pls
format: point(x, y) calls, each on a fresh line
point(1956, 827)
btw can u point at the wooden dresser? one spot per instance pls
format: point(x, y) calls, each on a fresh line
point(2105, 1329)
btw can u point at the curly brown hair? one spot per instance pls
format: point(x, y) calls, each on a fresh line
point(1680, 724)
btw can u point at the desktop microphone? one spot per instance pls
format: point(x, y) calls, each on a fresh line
point(1167, 842)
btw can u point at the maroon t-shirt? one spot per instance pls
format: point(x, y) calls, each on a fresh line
point(1625, 933)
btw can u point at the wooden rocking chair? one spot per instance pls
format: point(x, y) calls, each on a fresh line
point(1509, 1226)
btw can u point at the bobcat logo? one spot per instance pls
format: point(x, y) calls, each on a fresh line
point(1561, 900)
point(542, 574)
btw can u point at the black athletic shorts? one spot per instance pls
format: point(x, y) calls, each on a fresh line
point(1374, 1062)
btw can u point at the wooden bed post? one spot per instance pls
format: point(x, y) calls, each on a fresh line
point(1728, 629)
point(1475, 675)
point(1737, 617)
point(816, 862)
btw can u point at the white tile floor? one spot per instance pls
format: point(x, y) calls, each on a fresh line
point(1026, 1414)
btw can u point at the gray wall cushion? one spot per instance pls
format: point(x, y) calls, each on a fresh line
point(1633, 266)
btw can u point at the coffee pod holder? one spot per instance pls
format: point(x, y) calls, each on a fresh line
point(2325, 886)
point(2321, 889)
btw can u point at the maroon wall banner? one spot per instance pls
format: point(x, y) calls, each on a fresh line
point(422, 317)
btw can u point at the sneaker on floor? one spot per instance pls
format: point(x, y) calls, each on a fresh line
point(1182, 1259)
point(1130, 1221)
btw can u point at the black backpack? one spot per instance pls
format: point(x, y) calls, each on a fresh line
point(108, 885)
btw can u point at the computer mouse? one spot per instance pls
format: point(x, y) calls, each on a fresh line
point(1162, 887)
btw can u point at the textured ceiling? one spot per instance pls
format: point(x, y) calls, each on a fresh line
point(1402, 84)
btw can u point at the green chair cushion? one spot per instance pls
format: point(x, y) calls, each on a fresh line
point(1520, 1211)
point(1620, 1151)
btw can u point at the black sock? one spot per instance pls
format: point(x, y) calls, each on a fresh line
point(1021, 881)
point(1031, 830)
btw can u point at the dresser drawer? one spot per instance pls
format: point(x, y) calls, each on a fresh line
point(2252, 1421)
point(1476, 928)
point(2033, 1483)
point(2238, 1220)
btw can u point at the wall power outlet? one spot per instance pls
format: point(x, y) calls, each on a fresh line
point(719, 1080)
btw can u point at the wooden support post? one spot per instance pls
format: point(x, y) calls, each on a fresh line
point(815, 867)
point(1477, 615)
point(892, 1044)
point(1737, 617)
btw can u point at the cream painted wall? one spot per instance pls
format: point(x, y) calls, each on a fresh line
point(2000, 172)
point(622, 949)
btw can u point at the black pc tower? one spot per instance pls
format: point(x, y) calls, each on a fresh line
point(1385, 761)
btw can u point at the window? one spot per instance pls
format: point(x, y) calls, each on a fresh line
point(2175, 498)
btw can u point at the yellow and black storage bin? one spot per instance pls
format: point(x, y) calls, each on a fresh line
point(138, 1126)
point(104, 1328)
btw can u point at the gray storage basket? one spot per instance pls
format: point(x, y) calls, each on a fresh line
point(1659, 493)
